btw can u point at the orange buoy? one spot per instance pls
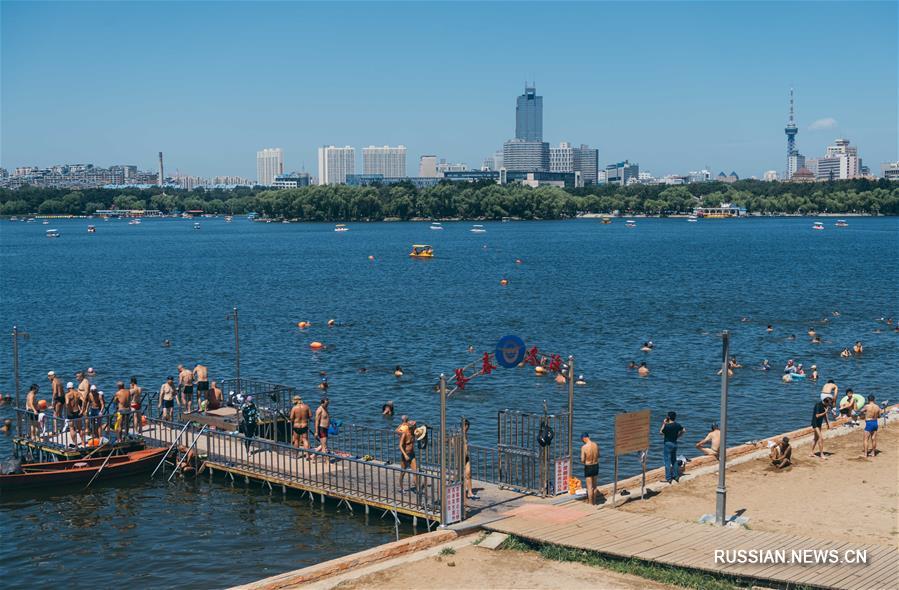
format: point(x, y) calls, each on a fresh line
point(143, 420)
point(42, 404)
point(371, 257)
point(303, 325)
point(316, 345)
point(540, 370)
point(504, 282)
point(331, 323)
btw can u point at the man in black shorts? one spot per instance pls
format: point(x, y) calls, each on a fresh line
point(590, 459)
point(186, 386)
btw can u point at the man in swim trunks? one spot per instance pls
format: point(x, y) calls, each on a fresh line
point(407, 448)
point(72, 407)
point(322, 422)
point(782, 454)
point(830, 390)
point(201, 376)
point(643, 371)
point(57, 393)
point(92, 408)
point(713, 438)
point(469, 489)
point(872, 415)
point(819, 418)
point(590, 459)
point(123, 410)
point(299, 418)
point(186, 386)
point(214, 397)
point(31, 408)
point(84, 385)
point(136, 394)
point(167, 397)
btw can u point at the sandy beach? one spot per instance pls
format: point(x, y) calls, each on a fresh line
point(844, 497)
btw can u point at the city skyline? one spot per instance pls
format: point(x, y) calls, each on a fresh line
point(671, 110)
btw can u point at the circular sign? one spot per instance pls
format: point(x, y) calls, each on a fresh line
point(510, 351)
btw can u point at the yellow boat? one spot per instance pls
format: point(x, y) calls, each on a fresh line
point(421, 251)
point(606, 220)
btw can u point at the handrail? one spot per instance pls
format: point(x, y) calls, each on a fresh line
point(174, 442)
point(192, 445)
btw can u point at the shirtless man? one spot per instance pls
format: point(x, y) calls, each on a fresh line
point(322, 421)
point(590, 459)
point(643, 371)
point(407, 448)
point(123, 409)
point(58, 394)
point(872, 415)
point(214, 397)
point(713, 438)
point(84, 385)
point(858, 348)
point(830, 390)
point(186, 387)
point(32, 412)
point(299, 419)
point(92, 407)
point(201, 376)
point(73, 413)
point(167, 398)
point(819, 418)
point(782, 454)
point(136, 395)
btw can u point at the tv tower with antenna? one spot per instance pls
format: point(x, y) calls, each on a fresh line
point(791, 130)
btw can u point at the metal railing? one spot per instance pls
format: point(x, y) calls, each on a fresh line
point(332, 473)
point(523, 463)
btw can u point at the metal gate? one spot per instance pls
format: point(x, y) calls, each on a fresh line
point(523, 463)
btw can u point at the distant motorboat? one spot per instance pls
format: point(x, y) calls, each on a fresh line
point(46, 223)
point(606, 220)
point(630, 223)
point(228, 219)
point(818, 225)
point(692, 219)
point(134, 222)
point(478, 229)
point(91, 229)
point(841, 223)
point(196, 225)
point(53, 233)
point(341, 227)
point(436, 225)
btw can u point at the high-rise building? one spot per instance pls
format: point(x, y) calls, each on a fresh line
point(388, 161)
point(840, 162)
point(770, 176)
point(529, 115)
point(269, 164)
point(586, 161)
point(622, 173)
point(890, 170)
point(561, 159)
point(334, 163)
point(294, 180)
point(427, 166)
point(526, 156)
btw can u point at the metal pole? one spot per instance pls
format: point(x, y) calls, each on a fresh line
point(721, 492)
point(15, 368)
point(237, 349)
point(442, 449)
point(570, 410)
point(463, 452)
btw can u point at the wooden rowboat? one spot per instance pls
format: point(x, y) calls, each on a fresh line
point(81, 471)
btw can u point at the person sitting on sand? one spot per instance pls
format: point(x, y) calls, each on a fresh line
point(643, 370)
point(782, 453)
point(845, 353)
point(858, 348)
point(713, 439)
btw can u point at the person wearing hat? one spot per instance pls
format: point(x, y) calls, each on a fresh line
point(57, 394)
point(814, 374)
point(713, 438)
point(590, 459)
point(92, 407)
point(299, 419)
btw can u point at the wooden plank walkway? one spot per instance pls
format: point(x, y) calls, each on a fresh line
point(688, 545)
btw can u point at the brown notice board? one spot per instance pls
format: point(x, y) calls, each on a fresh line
point(631, 432)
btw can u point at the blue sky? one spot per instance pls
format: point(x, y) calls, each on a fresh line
point(675, 86)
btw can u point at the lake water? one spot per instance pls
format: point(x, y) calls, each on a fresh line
point(109, 299)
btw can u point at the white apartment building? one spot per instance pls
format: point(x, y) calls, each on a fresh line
point(269, 164)
point(770, 175)
point(443, 167)
point(334, 163)
point(561, 159)
point(840, 162)
point(427, 167)
point(387, 161)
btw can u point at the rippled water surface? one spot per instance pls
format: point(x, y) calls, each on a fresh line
point(595, 291)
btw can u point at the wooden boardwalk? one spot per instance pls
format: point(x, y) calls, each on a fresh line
point(688, 545)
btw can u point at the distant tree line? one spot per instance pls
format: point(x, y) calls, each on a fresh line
point(468, 200)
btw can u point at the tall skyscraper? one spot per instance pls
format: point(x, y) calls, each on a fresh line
point(427, 167)
point(791, 130)
point(529, 115)
point(334, 163)
point(526, 156)
point(388, 161)
point(269, 164)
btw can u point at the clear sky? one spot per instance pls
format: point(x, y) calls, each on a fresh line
point(675, 86)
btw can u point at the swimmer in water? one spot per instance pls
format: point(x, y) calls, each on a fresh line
point(470, 348)
point(770, 328)
point(643, 370)
point(835, 314)
point(816, 339)
point(166, 343)
point(814, 375)
point(646, 347)
point(580, 380)
point(791, 337)
point(811, 332)
point(387, 409)
point(632, 365)
point(744, 319)
point(766, 366)
point(398, 372)
point(799, 369)
point(858, 349)
point(845, 353)
point(733, 364)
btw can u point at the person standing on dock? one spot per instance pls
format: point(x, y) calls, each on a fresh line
point(167, 397)
point(872, 416)
point(123, 410)
point(73, 413)
point(31, 410)
point(84, 385)
point(819, 418)
point(92, 408)
point(671, 431)
point(590, 459)
point(250, 420)
point(186, 387)
point(136, 393)
point(57, 393)
point(201, 376)
point(299, 420)
point(407, 448)
point(322, 422)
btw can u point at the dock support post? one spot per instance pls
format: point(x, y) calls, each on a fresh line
point(283, 489)
point(570, 410)
point(721, 492)
point(366, 509)
point(322, 497)
point(442, 449)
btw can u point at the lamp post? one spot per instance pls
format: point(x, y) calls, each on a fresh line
point(721, 492)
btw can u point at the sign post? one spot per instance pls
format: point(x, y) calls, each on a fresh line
point(721, 492)
point(443, 490)
point(631, 436)
point(570, 412)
